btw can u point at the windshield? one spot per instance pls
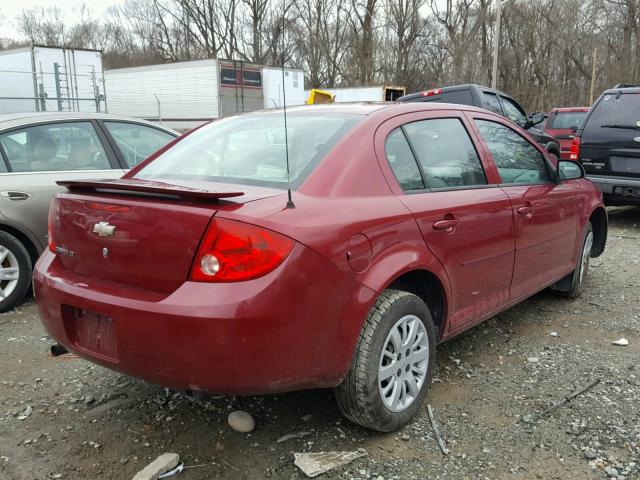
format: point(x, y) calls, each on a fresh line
point(566, 120)
point(250, 149)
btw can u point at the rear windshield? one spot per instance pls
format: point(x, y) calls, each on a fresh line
point(619, 110)
point(566, 120)
point(250, 149)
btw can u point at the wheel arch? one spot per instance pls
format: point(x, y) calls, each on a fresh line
point(24, 238)
point(599, 223)
point(429, 287)
point(553, 148)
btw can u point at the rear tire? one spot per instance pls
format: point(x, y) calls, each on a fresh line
point(15, 271)
point(572, 285)
point(392, 365)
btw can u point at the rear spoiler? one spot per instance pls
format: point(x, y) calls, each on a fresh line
point(149, 187)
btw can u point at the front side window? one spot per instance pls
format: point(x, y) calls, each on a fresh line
point(513, 112)
point(517, 160)
point(402, 162)
point(137, 142)
point(55, 147)
point(445, 152)
point(250, 149)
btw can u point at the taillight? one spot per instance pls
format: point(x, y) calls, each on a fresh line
point(52, 220)
point(574, 149)
point(232, 251)
point(432, 92)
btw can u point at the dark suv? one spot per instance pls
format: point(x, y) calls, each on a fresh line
point(493, 100)
point(608, 145)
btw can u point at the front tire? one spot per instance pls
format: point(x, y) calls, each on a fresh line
point(572, 285)
point(392, 366)
point(15, 271)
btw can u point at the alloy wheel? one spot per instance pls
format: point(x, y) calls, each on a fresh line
point(403, 363)
point(586, 254)
point(9, 272)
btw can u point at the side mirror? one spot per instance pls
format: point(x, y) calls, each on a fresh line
point(568, 170)
point(537, 118)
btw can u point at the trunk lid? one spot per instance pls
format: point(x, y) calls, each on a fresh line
point(138, 233)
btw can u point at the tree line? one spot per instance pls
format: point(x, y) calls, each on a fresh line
point(547, 47)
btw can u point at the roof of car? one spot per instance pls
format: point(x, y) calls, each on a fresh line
point(8, 120)
point(454, 88)
point(622, 90)
point(570, 109)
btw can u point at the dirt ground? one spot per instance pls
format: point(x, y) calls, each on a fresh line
point(491, 385)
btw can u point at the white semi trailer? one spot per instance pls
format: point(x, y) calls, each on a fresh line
point(184, 95)
point(51, 79)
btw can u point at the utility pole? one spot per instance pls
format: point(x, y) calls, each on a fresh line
point(496, 46)
point(593, 75)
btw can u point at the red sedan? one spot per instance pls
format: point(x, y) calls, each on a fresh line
point(409, 224)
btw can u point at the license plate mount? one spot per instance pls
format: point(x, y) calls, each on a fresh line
point(91, 332)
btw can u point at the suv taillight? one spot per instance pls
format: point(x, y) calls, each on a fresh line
point(574, 149)
point(53, 213)
point(233, 251)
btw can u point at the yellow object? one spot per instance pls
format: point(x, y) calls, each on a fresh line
point(320, 96)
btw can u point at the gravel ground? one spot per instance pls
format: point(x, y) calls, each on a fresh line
point(66, 418)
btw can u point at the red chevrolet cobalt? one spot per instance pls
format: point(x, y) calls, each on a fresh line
point(409, 223)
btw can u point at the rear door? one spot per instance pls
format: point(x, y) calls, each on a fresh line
point(464, 217)
point(40, 155)
point(610, 141)
point(545, 212)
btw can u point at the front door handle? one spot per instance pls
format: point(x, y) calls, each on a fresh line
point(448, 225)
point(527, 211)
point(15, 196)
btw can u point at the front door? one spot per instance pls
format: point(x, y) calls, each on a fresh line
point(545, 212)
point(465, 219)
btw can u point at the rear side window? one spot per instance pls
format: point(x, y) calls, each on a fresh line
point(250, 149)
point(517, 160)
point(565, 120)
point(135, 141)
point(55, 147)
point(491, 102)
point(445, 152)
point(402, 162)
point(615, 114)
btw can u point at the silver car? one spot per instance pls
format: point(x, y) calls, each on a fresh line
point(39, 149)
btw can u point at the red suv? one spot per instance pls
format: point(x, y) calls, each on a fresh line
point(409, 223)
point(562, 124)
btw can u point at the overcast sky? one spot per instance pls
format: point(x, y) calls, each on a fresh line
point(9, 9)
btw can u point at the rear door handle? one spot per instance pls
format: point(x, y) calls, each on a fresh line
point(527, 211)
point(446, 225)
point(15, 196)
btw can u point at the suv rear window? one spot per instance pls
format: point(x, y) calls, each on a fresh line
point(250, 149)
point(565, 120)
point(613, 109)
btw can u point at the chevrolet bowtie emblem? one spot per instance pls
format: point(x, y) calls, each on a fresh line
point(103, 229)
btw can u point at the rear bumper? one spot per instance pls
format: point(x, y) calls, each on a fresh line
point(294, 328)
point(618, 189)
